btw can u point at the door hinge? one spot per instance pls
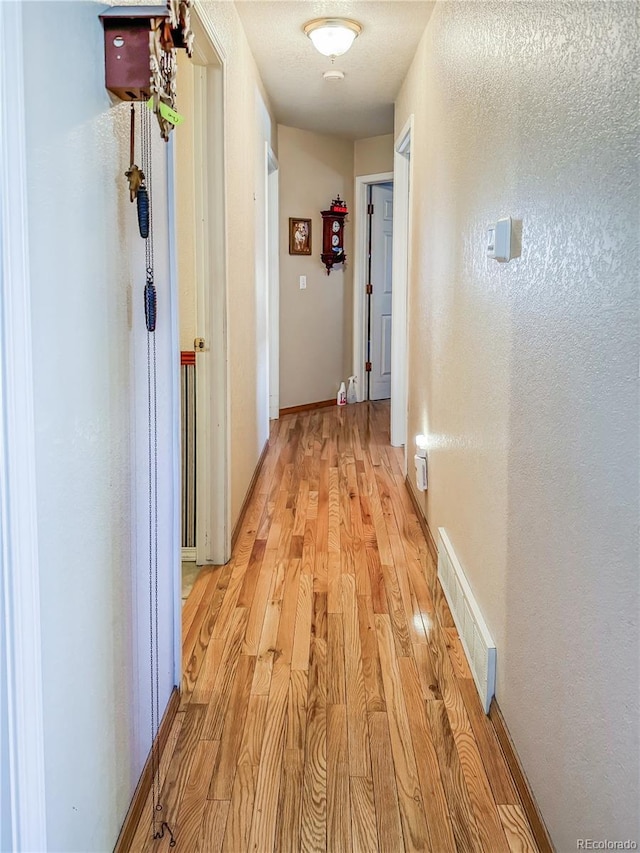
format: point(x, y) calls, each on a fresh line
point(369, 289)
point(369, 210)
point(367, 367)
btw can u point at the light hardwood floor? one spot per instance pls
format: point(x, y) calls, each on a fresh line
point(326, 702)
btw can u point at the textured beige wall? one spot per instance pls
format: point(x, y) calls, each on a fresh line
point(315, 324)
point(248, 124)
point(524, 375)
point(185, 204)
point(373, 155)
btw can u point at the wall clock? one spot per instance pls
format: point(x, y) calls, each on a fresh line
point(333, 234)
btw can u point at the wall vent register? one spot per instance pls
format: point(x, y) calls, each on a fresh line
point(474, 634)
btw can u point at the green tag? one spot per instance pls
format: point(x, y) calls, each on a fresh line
point(170, 115)
point(167, 113)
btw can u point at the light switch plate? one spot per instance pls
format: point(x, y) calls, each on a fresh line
point(303, 282)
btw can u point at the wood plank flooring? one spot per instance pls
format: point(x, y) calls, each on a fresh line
point(326, 701)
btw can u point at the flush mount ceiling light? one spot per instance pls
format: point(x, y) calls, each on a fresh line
point(332, 36)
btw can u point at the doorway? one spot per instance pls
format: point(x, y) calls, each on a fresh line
point(401, 267)
point(369, 294)
point(202, 305)
point(272, 266)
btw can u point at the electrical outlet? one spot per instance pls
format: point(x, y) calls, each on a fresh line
point(421, 472)
point(303, 282)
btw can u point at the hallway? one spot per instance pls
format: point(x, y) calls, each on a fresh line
point(326, 701)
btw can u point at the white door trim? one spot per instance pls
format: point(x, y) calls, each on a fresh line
point(213, 489)
point(176, 520)
point(272, 266)
point(402, 164)
point(20, 574)
point(360, 275)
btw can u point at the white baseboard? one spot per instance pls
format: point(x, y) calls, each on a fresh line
point(188, 555)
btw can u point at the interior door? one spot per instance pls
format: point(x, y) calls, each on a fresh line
point(381, 282)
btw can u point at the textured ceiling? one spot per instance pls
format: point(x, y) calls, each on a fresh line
point(362, 104)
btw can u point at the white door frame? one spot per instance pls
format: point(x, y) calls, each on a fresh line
point(402, 164)
point(272, 266)
point(363, 182)
point(176, 437)
point(213, 488)
point(20, 640)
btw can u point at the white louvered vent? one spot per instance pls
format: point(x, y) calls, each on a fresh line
point(478, 645)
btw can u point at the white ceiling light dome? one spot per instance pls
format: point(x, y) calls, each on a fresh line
point(332, 36)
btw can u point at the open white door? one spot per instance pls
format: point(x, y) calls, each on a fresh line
point(361, 273)
point(381, 253)
point(213, 527)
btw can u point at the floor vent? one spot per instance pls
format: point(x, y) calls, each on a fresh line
point(478, 645)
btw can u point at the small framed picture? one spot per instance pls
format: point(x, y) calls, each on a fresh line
point(299, 236)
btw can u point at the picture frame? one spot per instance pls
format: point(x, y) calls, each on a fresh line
point(299, 236)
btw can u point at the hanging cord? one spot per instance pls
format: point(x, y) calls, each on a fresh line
point(132, 136)
point(157, 824)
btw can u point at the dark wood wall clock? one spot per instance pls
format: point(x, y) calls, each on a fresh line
point(333, 234)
